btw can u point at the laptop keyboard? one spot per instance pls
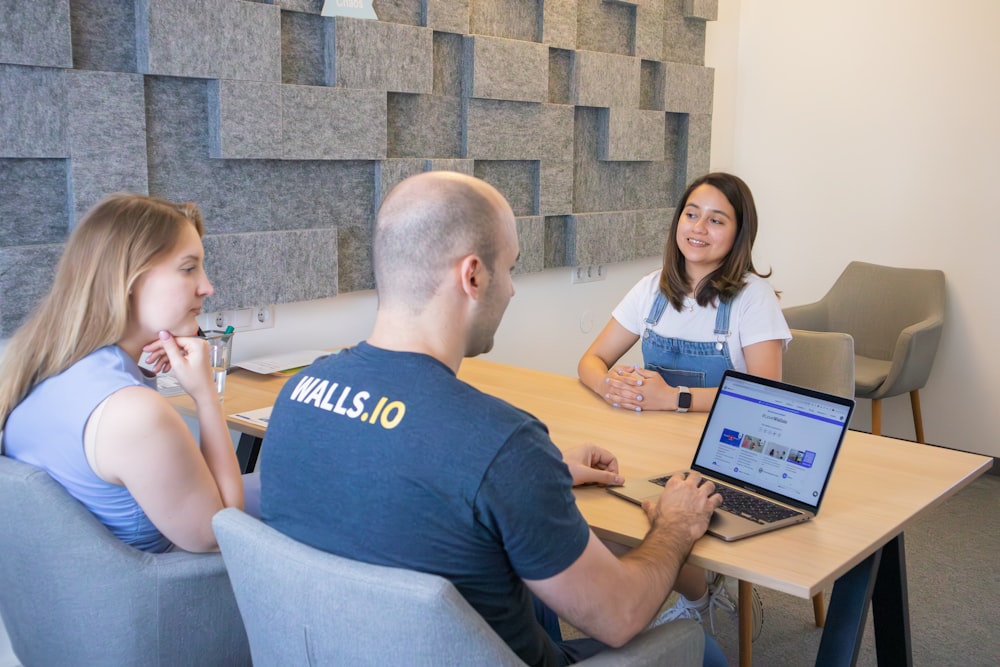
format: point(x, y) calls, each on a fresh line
point(746, 505)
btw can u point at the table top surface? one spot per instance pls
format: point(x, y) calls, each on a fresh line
point(878, 485)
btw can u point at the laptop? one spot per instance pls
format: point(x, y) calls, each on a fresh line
point(770, 449)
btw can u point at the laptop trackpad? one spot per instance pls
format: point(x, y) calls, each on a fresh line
point(729, 526)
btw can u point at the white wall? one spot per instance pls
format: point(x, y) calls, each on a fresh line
point(866, 131)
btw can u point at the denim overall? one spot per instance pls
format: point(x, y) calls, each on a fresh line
point(683, 362)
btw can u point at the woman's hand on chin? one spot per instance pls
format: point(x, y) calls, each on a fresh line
point(188, 358)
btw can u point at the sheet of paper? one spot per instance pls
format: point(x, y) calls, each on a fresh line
point(168, 385)
point(277, 363)
point(259, 417)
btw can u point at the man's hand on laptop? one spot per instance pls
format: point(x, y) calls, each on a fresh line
point(686, 504)
point(590, 464)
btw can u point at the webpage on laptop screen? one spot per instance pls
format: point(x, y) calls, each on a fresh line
point(773, 439)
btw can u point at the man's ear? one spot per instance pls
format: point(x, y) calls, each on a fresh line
point(473, 275)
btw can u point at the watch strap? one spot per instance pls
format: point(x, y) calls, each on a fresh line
point(683, 399)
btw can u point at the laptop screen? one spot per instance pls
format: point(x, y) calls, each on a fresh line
point(773, 438)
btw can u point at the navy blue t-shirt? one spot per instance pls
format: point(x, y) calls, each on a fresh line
point(386, 457)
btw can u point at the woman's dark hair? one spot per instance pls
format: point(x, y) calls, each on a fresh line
point(727, 280)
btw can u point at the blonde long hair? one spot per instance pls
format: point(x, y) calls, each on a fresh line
point(88, 305)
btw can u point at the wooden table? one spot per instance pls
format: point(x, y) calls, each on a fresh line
point(878, 486)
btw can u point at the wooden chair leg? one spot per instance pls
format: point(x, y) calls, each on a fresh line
point(819, 610)
point(918, 420)
point(745, 623)
point(876, 416)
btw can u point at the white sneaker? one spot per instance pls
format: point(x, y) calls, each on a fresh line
point(718, 600)
point(681, 609)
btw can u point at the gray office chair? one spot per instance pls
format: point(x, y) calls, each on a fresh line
point(821, 360)
point(305, 606)
point(71, 593)
point(895, 317)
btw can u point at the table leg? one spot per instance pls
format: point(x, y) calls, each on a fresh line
point(891, 607)
point(745, 590)
point(247, 451)
point(881, 581)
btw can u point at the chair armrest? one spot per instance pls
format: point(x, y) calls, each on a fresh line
point(912, 358)
point(196, 602)
point(680, 643)
point(810, 317)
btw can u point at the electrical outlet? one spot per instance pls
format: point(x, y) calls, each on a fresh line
point(245, 319)
point(587, 273)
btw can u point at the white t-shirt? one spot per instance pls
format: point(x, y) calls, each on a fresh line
point(755, 316)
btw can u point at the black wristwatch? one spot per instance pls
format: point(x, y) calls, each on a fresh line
point(683, 399)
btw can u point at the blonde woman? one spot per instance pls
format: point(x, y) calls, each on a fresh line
point(74, 401)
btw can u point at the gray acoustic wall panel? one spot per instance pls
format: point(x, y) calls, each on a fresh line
point(513, 19)
point(383, 56)
point(683, 36)
point(632, 134)
point(688, 88)
point(500, 130)
point(25, 275)
point(389, 173)
point(517, 179)
point(605, 79)
point(555, 187)
point(447, 15)
point(296, 6)
point(698, 134)
point(506, 69)
point(560, 76)
point(36, 32)
point(106, 128)
point(406, 12)
point(607, 27)
point(447, 164)
point(448, 68)
point(599, 185)
point(599, 238)
point(287, 128)
point(303, 51)
point(104, 35)
point(707, 10)
point(306, 260)
point(559, 23)
point(649, 29)
point(212, 39)
point(32, 112)
point(285, 121)
point(423, 126)
point(244, 119)
point(319, 123)
point(652, 227)
point(531, 239)
point(34, 205)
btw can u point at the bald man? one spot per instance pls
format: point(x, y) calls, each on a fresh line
point(381, 454)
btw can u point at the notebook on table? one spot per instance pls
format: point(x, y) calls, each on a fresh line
point(769, 447)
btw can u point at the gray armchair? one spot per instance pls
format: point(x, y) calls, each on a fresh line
point(71, 593)
point(820, 360)
point(304, 606)
point(895, 317)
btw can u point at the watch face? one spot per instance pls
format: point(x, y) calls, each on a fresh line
point(684, 400)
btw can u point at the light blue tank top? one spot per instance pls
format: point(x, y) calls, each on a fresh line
point(46, 430)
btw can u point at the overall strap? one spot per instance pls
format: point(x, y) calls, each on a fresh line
point(722, 318)
point(660, 305)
